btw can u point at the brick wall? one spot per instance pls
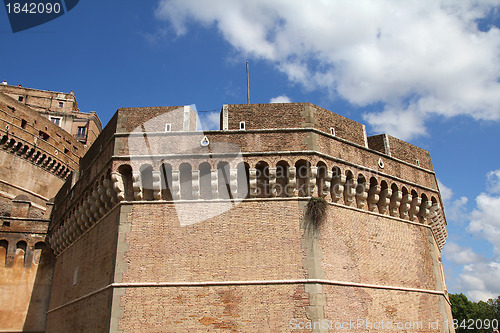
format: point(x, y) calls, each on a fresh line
point(92, 258)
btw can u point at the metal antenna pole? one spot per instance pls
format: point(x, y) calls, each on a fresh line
point(248, 85)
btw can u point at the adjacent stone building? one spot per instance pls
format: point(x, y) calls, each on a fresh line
point(60, 108)
point(168, 229)
point(36, 157)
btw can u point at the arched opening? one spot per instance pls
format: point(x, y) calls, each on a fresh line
point(21, 246)
point(205, 181)
point(361, 192)
point(349, 188)
point(147, 181)
point(4, 139)
point(125, 171)
point(243, 180)
point(223, 178)
point(186, 181)
point(282, 179)
point(320, 179)
point(4, 247)
point(38, 252)
point(362, 186)
point(262, 179)
point(166, 181)
point(303, 169)
point(424, 208)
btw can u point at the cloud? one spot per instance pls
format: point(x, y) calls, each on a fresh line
point(493, 184)
point(485, 220)
point(417, 59)
point(446, 192)
point(455, 210)
point(481, 281)
point(280, 99)
point(461, 255)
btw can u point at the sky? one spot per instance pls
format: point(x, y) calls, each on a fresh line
point(425, 71)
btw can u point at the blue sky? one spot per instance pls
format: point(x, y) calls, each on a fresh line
point(425, 71)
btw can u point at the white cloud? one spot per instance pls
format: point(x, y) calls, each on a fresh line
point(493, 184)
point(416, 58)
point(461, 255)
point(480, 281)
point(455, 210)
point(485, 219)
point(280, 99)
point(446, 192)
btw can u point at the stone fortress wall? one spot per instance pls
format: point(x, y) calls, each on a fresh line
point(36, 156)
point(133, 253)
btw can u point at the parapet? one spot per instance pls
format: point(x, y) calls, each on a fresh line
point(291, 115)
point(401, 150)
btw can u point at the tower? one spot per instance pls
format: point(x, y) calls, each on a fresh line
point(170, 229)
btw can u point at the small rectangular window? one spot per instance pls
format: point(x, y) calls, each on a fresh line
point(56, 120)
point(20, 98)
point(332, 131)
point(61, 104)
point(168, 127)
point(242, 125)
point(23, 123)
point(82, 130)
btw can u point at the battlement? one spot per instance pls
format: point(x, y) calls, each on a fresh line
point(135, 159)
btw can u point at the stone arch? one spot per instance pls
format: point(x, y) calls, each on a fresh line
point(17, 146)
point(185, 176)
point(4, 139)
point(223, 179)
point(337, 185)
point(21, 245)
point(384, 197)
point(125, 171)
point(424, 210)
point(262, 169)
point(282, 179)
point(349, 188)
point(361, 191)
point(4, 248)
point(166, 181)
point(373, 194)
point(303, 172)
point(243, 170)
point(205, 170)
point(321, 179)
point(147, 181)
point(39, 249)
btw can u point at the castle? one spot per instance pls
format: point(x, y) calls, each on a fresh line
point(165, 228)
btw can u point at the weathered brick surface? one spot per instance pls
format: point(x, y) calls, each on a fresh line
point(231, 246)
point(371, 249)
point(409, 153)
point(214, 309)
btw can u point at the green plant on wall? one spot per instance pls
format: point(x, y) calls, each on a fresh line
point(315, 213)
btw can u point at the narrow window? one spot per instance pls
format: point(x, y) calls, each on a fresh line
point(81, 132)
point(61, 104)
point(56, 120)
point(168, 127)
point(23, 123)
point(20, 98)
point(332, 131)
point(242, 125)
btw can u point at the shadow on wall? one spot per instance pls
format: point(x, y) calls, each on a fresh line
point(25, 279)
